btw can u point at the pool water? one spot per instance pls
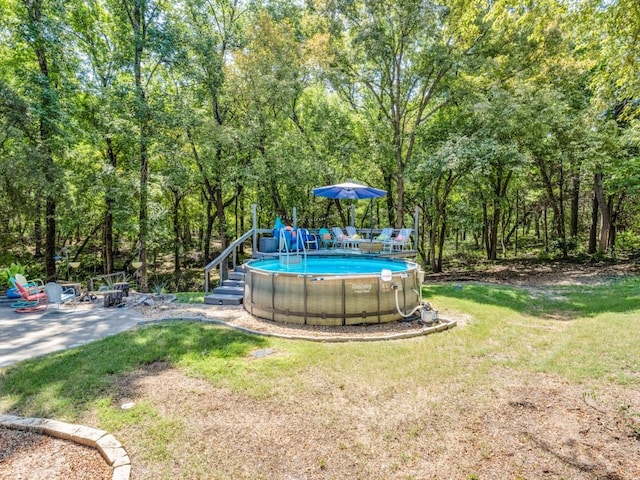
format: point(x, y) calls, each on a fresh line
point(332, 266)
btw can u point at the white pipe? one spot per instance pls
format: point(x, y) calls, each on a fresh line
point(405, 315)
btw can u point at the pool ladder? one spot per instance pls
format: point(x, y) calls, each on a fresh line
point(288, 256)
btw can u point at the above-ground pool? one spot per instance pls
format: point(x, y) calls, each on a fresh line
point(330, 290)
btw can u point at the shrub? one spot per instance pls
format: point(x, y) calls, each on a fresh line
point(10, 271)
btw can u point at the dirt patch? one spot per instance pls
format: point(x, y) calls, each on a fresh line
point(523, 427)
point(26, 455)
point(532, 273)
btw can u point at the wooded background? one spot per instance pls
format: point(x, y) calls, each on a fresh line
point(131, 129)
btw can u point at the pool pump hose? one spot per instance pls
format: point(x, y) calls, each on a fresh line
point(427, 314)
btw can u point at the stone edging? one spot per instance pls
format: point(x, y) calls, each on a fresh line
point(445, 325)
point(111, 449)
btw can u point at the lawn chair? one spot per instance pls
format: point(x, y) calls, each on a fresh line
point(310, 240)
point(22, 280)
point(384, 236)
point(402, 241)
point(326, 239)
point(34, 298)
point(351, 239)
point(341, 240)
point(59, 295)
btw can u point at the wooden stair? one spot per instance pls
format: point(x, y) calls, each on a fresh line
point(231, 292)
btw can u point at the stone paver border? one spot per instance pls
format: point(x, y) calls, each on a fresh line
point(109, 447)
point(442, 326)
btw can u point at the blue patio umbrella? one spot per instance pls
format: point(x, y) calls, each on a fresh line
point(350, 191)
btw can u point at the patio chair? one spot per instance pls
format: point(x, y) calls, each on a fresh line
point(326, 239)
point(402, 241)
point(59, 295)
point(22, 280)
point(385, 235)
point(34, 298)
point(310, 240)
point(345, 241)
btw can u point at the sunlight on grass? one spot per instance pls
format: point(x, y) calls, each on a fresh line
point(63, 384)
point(574, 331)
point(155, 432)
point(190, 297)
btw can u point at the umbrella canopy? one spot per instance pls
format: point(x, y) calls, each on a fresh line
point(348, 190)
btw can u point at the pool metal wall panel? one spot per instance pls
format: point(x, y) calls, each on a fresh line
point(325, 301)
point(288, 299)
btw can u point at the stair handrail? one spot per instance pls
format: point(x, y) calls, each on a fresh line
point(231, 249)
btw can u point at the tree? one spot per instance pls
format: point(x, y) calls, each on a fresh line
point(393, 61)
point(215, 32)
point(41, 35)
point(151, 44)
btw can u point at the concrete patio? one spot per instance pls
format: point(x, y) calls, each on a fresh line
point(29, 335)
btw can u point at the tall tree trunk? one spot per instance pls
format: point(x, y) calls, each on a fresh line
point(485, 227)
point(108, 250)
point(442, 188)
point(593, 230)
point(37, 229)
point(400, 197)
point(575, 204)
point(546, 231)
point(143, 217)
point(176, 236)
point(605, 214)
point(219, 203)
point(561, 229)
point(441, 239)
point(47, 116)
point(515, 243)
point(209, 231)
point(50, 238)
point(136, 18)
point(556, 203)
point(391, 209)
point(492, 253)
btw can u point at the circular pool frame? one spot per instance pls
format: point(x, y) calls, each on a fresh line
point(330, 299)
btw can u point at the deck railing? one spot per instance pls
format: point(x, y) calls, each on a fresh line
point(222, 260)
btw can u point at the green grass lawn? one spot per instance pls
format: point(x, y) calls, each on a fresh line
point(587, 336)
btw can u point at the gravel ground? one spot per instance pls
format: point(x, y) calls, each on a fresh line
point(30, 456)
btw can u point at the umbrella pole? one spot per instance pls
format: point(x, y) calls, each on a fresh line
point(371, 224)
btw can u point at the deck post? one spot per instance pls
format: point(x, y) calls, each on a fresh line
point(254, 247)
point(415, 228)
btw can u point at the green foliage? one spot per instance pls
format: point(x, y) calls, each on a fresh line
point(10, 271)
point(628, 241)
point(485, 116)
point(190, 297)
